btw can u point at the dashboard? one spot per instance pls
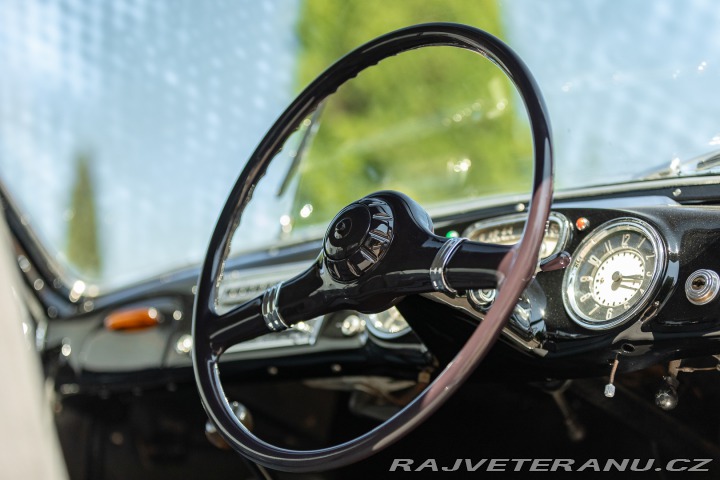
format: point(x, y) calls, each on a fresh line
point(640, 287)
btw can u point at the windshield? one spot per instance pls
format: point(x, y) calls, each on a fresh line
point(124, 124)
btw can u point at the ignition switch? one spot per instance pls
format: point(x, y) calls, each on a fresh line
point(702, 286)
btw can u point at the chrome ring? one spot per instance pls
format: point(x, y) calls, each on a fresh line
point(439, 264)
point(706, 291)
point(270, 310)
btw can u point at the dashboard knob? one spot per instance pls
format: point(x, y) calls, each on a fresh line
point(667, 397)
point(241, 413)
point(352, 325)
point(556, 261)
point(609, 390)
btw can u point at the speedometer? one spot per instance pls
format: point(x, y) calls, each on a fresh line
point(508, 230)
point(614, 273)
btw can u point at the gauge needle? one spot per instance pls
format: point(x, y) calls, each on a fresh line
point(618, 279)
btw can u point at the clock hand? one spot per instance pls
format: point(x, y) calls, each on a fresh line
point(619, 277)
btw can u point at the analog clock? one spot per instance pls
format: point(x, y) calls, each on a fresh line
point(614, 274)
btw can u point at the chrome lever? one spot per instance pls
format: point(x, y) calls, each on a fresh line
point(556, 261)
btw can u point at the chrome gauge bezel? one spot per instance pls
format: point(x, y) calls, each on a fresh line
point(382, 332)
point(596, 237)
point(482, 300)
point(563, 224)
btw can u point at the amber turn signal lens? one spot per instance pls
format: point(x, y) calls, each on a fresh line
point(133, 319)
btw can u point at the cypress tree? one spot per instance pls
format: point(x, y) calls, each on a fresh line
point(83, 251)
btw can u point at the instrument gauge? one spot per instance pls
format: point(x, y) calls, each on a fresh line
point(387, 324)
point(614, 274)
point(508, 231)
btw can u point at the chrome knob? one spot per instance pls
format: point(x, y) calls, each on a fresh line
point(352, 325)
point(482, 299)
point(241, 413)
point(609, 390)
point(667, 397)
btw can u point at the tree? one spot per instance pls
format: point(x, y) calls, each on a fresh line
point(438, 124)
point(83, 251)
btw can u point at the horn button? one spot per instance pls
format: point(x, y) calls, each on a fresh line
point(358, 238)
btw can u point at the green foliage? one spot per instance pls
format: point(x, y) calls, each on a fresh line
point(440, 124)
point(328, 29)
point(83, 251)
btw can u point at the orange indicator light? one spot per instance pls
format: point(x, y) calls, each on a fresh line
point(132, 319)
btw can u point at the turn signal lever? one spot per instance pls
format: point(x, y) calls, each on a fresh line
point(556, 261)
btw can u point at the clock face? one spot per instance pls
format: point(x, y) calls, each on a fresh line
point(614, 273)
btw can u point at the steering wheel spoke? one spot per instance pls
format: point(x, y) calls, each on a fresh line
point(278, 308)
point(240, 324)
point(477, 265)
point(447, 265)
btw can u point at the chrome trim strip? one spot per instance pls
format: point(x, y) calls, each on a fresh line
point(439, 264)
point(270, 310)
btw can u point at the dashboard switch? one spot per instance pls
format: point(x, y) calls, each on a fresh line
point(610, 387)
point(352, 325)
point(556, 261)
point(609, 390)
point(667, 397)
point(241, 413)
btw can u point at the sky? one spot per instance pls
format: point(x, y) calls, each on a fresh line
point(168, 98)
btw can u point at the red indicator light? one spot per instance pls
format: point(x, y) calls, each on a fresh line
point(582, 223)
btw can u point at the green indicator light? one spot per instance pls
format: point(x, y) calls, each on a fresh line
point(452, 234)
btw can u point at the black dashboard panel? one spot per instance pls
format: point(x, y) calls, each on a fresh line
point(690, 236)
point(546, 338)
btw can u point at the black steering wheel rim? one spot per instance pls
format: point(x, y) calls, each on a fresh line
point(517, 268)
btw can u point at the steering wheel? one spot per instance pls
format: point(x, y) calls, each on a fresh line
point(375, 251)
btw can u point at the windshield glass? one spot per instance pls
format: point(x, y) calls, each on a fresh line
point(124, 124)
